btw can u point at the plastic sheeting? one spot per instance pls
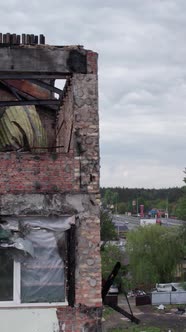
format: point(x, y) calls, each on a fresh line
point(42, 276)
point(20, 244)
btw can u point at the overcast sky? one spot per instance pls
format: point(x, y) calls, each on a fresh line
point(142, 78)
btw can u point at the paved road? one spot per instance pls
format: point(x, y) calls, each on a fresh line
point(134, 222)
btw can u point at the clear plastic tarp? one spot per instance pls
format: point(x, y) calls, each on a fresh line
point(42, 270)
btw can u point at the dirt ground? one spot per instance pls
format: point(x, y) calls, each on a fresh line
point(166, 320)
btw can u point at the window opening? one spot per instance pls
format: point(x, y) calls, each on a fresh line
point(33, 259)
point(28, 113)
point(42, 276)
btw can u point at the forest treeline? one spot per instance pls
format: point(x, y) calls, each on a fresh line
point(122, 198)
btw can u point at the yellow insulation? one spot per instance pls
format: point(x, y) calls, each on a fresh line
point(12, 138)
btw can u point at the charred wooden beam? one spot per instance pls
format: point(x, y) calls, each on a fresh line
point(110, 280)
point(43, 60)
point(125, 313)
point(34, 76)
point(71, 250)
point(105, 290)
point(20, 95)
point(29, 102)
point(28, 88)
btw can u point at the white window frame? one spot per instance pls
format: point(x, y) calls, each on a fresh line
point(16, 302)
point(16, 285)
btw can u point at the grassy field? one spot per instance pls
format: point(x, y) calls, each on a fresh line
point(137, 329)
point(151, 320)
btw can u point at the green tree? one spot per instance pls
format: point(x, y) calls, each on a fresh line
point(182, 236)
point(110, 198)
point(121, 208)
point(181, 208)
point(154, 253)
point(109, 257)
point(108, 231)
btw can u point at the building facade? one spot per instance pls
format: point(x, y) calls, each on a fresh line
point(50, 279)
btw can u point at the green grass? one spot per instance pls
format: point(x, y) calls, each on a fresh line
point(107, 312)
point(137, 329)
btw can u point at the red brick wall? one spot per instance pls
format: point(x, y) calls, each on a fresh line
point(92, 58)
point(36, 173)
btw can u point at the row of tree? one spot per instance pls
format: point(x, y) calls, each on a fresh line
point(121, 199)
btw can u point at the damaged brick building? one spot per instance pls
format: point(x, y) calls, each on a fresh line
point(50, 269)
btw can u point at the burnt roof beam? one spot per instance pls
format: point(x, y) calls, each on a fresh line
point(29, 102)
point(30, 87)
point(19, 94)
point(48, 60)
point(12, 90)
point(32, 76)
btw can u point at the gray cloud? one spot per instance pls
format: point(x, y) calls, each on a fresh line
point(142, 78)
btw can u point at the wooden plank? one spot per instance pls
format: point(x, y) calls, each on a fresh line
point(29, 88)
point(47, 86)
point(42, 60)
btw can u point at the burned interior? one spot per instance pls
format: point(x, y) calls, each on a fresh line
point(49, 181)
